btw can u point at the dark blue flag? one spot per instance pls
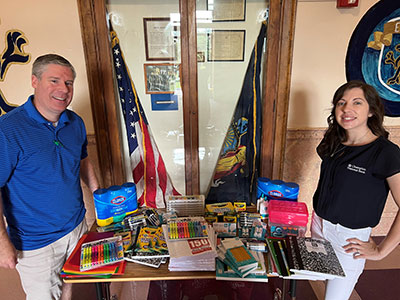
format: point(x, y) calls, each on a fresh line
point(237, 167)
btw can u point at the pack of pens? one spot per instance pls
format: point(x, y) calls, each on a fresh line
point(99, 253)
point(187, 228)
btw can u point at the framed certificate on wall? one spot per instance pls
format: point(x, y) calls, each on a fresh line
point(227, 10)
point(159, 39)
point(226, 45)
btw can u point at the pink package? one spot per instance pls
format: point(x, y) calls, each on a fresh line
point(288, 212)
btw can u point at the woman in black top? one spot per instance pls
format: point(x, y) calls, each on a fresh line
point(359, 167)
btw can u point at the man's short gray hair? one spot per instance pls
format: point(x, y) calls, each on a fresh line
point(40, 64)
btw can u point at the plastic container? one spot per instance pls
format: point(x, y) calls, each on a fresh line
point(276, 190)
point(114, 203)
point(287, 218)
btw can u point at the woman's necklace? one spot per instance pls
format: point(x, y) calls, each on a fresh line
point(340, 147)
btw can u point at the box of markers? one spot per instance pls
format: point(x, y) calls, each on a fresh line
point(187, 228)
point(102, 252)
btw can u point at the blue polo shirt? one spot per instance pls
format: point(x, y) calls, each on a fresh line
point(39, 175)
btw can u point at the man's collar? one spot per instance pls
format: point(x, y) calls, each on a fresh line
point(34, 113)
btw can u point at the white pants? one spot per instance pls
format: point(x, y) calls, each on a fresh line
point(39, 269)
point(336, 234)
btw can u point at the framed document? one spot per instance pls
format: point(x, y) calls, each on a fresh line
point(227, 10)
point(226, 45)
point(159, 39)
point(162, 78)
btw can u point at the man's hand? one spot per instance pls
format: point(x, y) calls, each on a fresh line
point(8, 254)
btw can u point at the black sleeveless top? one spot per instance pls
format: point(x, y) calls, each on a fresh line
point(352, 188)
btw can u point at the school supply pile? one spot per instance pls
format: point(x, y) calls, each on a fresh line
point(225, 272)
point(303, 258)
point(236, 262)
point(100, 253)
point(87, 262)
point(150, 248)
point(191, 244)
point(185, 206)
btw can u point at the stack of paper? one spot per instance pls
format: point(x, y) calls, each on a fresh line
point(193, 254)
point(236, 261)
point(71, 267)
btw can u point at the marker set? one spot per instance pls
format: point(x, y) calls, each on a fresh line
point(101, 252)
point(186, 229)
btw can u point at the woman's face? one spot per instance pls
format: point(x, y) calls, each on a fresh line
point(352, 111)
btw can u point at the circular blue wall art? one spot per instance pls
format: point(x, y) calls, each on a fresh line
point(373, 54)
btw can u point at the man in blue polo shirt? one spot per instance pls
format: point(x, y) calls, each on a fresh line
point(43, 156)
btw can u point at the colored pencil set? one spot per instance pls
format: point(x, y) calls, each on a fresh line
point(101, 252)
point(186, 230)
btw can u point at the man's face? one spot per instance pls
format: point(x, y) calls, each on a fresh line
point(53, 91)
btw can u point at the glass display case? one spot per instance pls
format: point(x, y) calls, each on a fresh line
point(187, 61)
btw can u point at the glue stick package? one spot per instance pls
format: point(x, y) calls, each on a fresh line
point(114, 203)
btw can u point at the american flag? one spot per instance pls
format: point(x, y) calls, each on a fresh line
point(153, 184)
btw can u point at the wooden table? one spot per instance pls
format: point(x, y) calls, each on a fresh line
point(137, 272)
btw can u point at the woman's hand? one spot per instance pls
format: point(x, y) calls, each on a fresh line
point(360, 249)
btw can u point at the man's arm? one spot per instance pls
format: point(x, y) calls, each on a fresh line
point(88, 175)
point(8, 254)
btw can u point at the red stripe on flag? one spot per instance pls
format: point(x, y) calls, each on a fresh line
point(150, 186)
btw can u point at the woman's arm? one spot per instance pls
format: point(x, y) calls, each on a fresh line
point(370, 250)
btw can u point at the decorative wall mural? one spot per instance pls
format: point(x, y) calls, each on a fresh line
point(13, 53)
point(373, 54)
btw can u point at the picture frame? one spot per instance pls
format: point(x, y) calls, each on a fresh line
point(226, 45)
point(162, 78)
point(159, 38)
point(227, 10)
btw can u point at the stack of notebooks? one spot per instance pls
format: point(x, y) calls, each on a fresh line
point(73, 266)
point(304, 258)
point(191, 252)
point(236, 262)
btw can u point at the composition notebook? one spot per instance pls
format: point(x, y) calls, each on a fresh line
point(314, 257)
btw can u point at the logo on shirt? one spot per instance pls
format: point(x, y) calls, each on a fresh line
point(357, 169)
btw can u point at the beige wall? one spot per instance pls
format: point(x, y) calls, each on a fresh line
point(321, 39)
point(50, 27)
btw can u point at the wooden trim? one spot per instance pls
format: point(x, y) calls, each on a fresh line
point(288, 13)
point(96, 46)
point(190, 95)
point(280, 34)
